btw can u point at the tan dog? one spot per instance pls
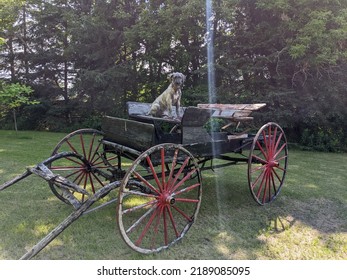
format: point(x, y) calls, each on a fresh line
point(170, 97)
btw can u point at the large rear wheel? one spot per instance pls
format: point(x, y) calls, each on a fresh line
point(267, 163)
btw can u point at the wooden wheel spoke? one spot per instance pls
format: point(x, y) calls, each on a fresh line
point(147, 226)
point(183, 180)
point(156, 227)
point(258, 168)
point(277, 176)
point(80, 163)
point(140, 194)
point(261, 183)
point(79, 178)
point(101, 162)
point(282, 158)
point(96, 178)
point(137, 207)
point(148, 184)
point(261, 175)
point(273, 183)
point(71, 174)
point(189, 200)
point(154, 173)
point(278, 141)
point(179, 173)
point(189, 219)
point(273, 142)
point(95, 154)
point(279, 167)
point(166, 237)
point(266, 142)
point(262, 150)
point(173, 221)
point(266, 186)
point(67, 168)
point(91, 147)
point(262, 161)
point(269, 141)
point(139, 221)
point(71, 146)
point(85, 184)
point(162, 155)
point(186, 189)
point(173, 166)
point(280, 150)
point(83, 147)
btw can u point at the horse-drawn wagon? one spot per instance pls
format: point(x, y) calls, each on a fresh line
point(156, 165)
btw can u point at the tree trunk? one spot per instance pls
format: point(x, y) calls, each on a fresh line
point(15, 120)
point(26, 62)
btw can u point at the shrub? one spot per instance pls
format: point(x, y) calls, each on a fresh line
point(326, 140)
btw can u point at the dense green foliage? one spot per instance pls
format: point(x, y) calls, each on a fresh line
point(87, 58)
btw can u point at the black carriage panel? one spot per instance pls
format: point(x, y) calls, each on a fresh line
point(129, 133)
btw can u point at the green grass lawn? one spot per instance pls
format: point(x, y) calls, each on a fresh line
point(308, 220)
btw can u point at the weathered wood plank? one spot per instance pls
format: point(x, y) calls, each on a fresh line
point(251, 107)
point(147, 119)
point(15, 180)
point(138, 108)
point(233, 112)
point(44, 172)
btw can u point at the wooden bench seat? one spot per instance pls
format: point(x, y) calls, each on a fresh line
point(139, 111)
point(233, 112)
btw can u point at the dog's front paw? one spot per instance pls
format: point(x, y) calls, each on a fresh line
point(177, 118)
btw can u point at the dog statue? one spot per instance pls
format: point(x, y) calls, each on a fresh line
point(170, 97)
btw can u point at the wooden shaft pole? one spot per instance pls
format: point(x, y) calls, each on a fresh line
point(69, 220)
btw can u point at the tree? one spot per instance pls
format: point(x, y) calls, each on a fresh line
point(13, 96)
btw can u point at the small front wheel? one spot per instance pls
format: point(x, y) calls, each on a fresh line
point(90, 170)
point(159, 198)
point(267, 163)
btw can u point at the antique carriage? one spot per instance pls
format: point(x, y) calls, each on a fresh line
point(156, 165)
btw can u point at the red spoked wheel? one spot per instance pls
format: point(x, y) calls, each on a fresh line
point(93, 167)
point(267, 163)
point(159, 198)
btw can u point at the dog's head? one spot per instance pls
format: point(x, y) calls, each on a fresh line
point(177, 79)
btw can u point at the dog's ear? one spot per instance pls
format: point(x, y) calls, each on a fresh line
point(183, 77)
point(169, 77)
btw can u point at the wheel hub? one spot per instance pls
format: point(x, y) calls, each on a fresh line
point(88, 167)
point(273, 163)
point(167, 199)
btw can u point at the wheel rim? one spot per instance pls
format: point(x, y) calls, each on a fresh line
point(90, 170)
point(267, 163)
point(159, 198)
